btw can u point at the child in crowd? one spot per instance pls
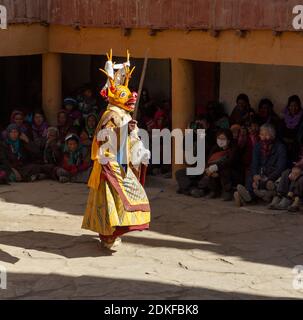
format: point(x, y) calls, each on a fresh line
point(73, 114)
point(76, 164)
point(91, 123)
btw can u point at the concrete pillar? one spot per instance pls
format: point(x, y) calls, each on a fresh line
point(183, 98)
point(52, 86)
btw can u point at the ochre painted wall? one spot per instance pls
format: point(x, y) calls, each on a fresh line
point(20, 40)
point(52, 85)
point(257, 47)
point(260, 81)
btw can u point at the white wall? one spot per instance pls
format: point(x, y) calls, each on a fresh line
point(260, 81)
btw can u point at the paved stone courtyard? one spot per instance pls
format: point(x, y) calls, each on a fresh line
point(196, 249)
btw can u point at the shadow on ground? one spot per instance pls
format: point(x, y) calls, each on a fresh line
point(59, 244)
point(40, 287)
point(5, 257)
point(251, 234)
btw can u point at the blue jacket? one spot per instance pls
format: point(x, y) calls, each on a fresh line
point(274, 165)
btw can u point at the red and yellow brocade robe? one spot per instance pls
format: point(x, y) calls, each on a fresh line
point(117, 201)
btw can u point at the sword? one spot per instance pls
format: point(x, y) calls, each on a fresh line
point(135, 115)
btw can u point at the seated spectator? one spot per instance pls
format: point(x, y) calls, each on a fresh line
point(87, 102)
point(84, 138)
point(5, 169)
point(160, 119)
point(187, 183)
point(52, 152)
point(216, 116)
point(241, 139)
point(73, 114)
point(39, 129)
point(243, 112)
point(86, 142)
point(290, 190)
point(17, 117)
point(166, 106)
point(293, 115)
point(76, 164)
point(221, 170)
point(91, 123)
point(146, 110)
point(147, 121)
point(269, 161)
point(235, 130)
point(62, 125)
point(252, 139)
point(267, 115)
point(20, 152)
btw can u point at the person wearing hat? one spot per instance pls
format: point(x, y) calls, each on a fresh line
point(73, 113)
point(87, 102)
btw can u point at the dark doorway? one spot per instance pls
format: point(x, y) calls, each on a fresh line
point(207, 83)
point(20, 85)
point(83, 70)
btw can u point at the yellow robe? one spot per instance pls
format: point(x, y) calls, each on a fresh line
point(116, 198)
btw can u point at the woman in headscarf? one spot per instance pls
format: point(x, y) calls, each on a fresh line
point(243, 112)
point(291, 130)
point(91, 123)
point(221, 170)
point(267, 114)
point(62, 125)
point(17, 118)
point(76, 164)
point(217, 117)
point(39, 129)
point(74, 115)
point(21, 152)
point(52, 153)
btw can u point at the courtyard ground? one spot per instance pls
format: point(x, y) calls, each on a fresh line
point(196, 249)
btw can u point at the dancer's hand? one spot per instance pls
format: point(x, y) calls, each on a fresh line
point(132, 125)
